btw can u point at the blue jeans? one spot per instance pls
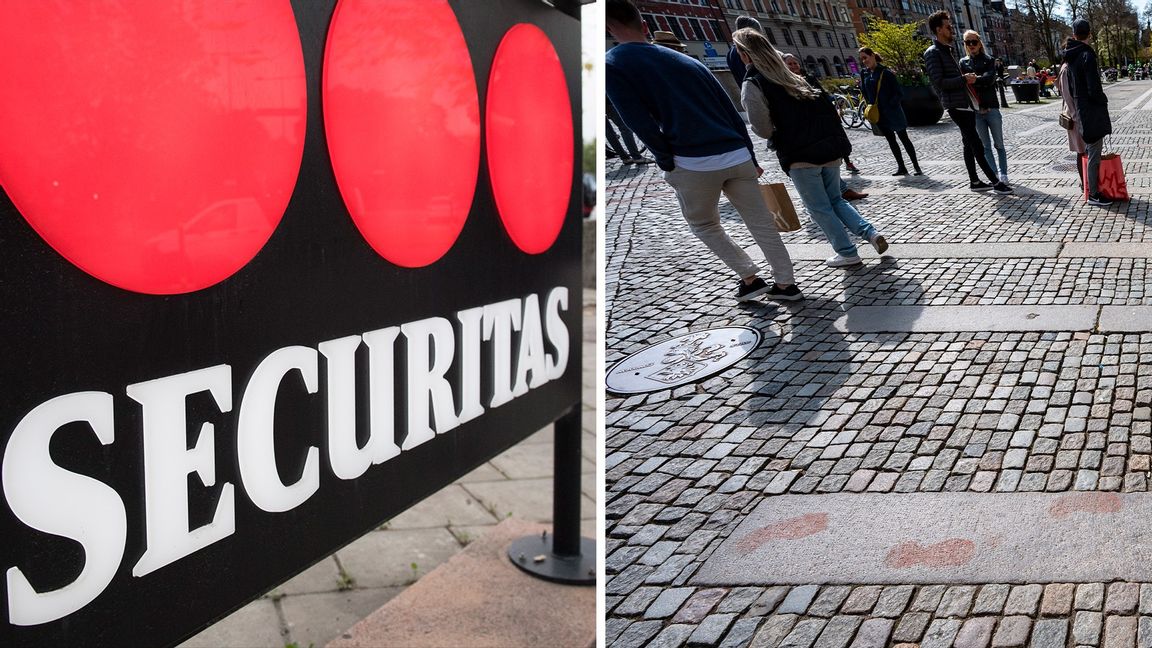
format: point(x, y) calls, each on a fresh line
point(992, 122)
point(819, 189)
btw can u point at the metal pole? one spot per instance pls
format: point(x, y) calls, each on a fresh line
point(566, 557)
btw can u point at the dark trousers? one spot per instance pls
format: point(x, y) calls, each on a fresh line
point(973, 147)
point(891, 137)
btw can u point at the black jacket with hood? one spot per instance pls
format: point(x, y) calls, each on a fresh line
point(1087, 91)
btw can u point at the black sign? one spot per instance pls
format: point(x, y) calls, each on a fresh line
point(362, 280)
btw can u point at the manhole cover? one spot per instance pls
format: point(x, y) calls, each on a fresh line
point(681, 360)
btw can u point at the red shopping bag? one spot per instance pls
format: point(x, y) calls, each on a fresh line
point(1112, 184)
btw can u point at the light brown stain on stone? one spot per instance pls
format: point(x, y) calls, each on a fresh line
point(790, 529)
point(952, 552)
point(1085, 503)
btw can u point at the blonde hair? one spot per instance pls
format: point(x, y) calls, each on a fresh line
point(770, 65)
point(977, 35)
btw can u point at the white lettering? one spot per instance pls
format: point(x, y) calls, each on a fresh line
point(255, 437)
point(168, 462)
point(470, 322)
point(431, 346)
point(500, 319)
point(53, 500)
point(557, 332)
point(532, 357)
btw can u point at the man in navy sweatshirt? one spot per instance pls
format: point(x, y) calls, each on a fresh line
point(675, 106)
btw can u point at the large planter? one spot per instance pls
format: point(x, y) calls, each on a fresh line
point(921, 106)
point(1026, 91)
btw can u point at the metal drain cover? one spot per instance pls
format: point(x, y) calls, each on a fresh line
point(682, 360)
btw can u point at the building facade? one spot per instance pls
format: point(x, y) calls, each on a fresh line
point(818, 32)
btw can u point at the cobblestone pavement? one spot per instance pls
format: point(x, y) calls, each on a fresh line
point(816, 411)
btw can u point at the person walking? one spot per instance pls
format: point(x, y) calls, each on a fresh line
point(1087, 106)
point(881, 87)
point(960, 101)
point(989, 121)
point(735, 65)
point(809, 142)
point(677, 107)
point(1001, 81)
point(794, 67)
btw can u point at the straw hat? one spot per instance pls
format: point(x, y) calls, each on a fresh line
point(668, 39)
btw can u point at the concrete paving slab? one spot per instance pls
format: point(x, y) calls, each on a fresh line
point(255, 624)
point(1077, 249)
point(450, 505)
point(448, 608)
point(821, 251)
point(528, 499)
point(316, 619)
point(945, 538)
point(526, 461)
point(324, 576)
point(362, 560)
point(485, 472)
point(942, 319)
point(1125, 319)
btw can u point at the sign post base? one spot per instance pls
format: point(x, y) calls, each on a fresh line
point(565, 557)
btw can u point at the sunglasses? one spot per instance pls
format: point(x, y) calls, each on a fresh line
point(971, 43)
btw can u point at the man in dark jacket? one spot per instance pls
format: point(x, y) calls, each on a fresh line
point(1091, 103)
point(677, 107)
point(957, 95)
point(735, 65)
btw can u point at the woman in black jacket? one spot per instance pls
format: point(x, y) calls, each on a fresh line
point(809, 140)
point(989, 121)
point(881, 87)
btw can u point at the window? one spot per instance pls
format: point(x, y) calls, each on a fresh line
point(731, 4)
point(807, 11)
point(803, 40)
point(770, 35)
point(674, 27)
point(820, 10)
point(844, 39)
point(791, 8)
point(776, 6)
point(788, 37)
point(697, 28)
point(831, 41)
point(651, 22)
point(759, 5)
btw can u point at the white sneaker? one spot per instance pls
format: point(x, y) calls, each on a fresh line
point(841, 261)
point(879, 243)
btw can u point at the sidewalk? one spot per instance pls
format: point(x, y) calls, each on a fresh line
point(319, 604)
point(949, 446)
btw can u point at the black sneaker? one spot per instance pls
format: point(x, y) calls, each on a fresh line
point(1099, 200)
point(1001, 188)
point(979, 186)
point(748, 292)
point(791, 293)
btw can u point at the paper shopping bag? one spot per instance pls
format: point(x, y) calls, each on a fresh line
point(1112, 183)
point(780, 204)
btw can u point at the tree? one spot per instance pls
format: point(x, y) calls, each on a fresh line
point(902, 48)
point(1043, 28)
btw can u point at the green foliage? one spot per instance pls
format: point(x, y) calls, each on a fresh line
point(590, 156)
point(832, 85)
point(901, 47)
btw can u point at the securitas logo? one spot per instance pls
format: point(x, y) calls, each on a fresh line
point(157, 147)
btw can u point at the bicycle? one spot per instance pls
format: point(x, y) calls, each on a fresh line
point(850, 105)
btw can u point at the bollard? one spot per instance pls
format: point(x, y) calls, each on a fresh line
point(565, 557)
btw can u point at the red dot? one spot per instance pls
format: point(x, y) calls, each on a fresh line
point(402, 117)
point(529, 130)
point(155, 145)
